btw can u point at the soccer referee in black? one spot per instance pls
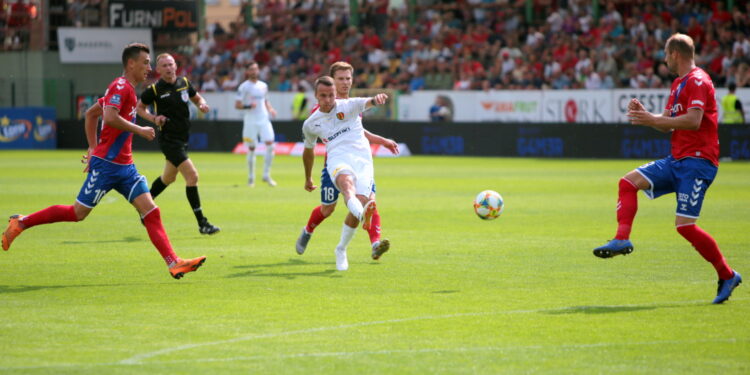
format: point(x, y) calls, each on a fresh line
point(169, 97)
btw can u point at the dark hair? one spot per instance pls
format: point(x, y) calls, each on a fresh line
point(132, 51)
point(732, 86)
point(325, 81)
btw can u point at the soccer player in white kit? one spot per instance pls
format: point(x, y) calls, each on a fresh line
point(336, 123)
point(251, 98)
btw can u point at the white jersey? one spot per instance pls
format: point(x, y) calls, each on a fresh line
point(249, 93)
point(340, 130)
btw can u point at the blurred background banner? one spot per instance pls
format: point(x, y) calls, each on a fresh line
point(28, 128)
point(97, 45)
point(160, 15)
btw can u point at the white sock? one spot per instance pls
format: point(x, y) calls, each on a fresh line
point(355, 207)
point(347, 233)
point(268, 160)
point(251, 165)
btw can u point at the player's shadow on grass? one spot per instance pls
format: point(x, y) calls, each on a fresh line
point(604, 309)
point(7, 289)
point(126, 239)
point(266, 270)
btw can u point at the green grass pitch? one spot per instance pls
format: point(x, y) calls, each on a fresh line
point(455, 295)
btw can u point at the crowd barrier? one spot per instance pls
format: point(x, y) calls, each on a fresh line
point(471, 139)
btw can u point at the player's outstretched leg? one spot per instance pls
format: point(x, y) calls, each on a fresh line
point(12, 231)
point(726, 287)
point(49, 215)
point(613, 248)
point(177, 267)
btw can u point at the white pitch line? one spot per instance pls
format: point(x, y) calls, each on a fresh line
point(140, 357)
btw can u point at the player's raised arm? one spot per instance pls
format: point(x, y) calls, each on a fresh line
point(376, 100)
point(112, 118)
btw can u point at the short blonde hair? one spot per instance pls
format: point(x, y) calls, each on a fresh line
point(340, 65)
point(163, 55)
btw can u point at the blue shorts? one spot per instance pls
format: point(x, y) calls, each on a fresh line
point(688, 178)
point(329, 194)
point(105, 176)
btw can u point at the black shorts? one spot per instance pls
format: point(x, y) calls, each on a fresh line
point(174, 152)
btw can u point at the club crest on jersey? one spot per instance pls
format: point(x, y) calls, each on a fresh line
point(185, 96)
point(340, 115)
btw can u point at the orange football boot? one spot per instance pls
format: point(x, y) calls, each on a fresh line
point(12, 231)
point(184, 266)
point(369, 209)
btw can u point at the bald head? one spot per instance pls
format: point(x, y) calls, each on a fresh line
point(681, 44)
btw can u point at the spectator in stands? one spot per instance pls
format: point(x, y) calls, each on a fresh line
point(441, 110)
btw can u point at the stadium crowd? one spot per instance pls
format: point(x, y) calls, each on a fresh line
point(474, 44)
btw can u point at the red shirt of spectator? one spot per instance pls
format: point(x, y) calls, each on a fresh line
point(371, 39)
point(20, 14)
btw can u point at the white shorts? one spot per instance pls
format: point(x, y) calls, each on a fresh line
point(360, 169)
point(251, 132)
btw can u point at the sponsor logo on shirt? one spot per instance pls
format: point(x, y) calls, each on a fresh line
point(165, 95)
point(697, 102)
point(115, 99)
point(335, 135)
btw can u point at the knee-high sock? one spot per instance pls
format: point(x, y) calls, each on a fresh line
point(195, 202)
point(316, 217)
point(157, 187)
point(268, 160)
point(627, 206)
point(51, 214)
point(158, 236)
point(251, 165)
point(374, 230)
point(707, 247)
point(347, 233)
point(355, 207)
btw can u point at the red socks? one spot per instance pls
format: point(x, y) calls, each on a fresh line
point(316, 217)
point(51, 214)
point(707, 247)
point(627, 205)
point(158, 236)
point(374, 230)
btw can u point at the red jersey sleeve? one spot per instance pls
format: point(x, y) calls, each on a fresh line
point(116, 94)
point(697, 91)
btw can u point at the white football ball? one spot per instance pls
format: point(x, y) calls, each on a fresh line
point(488, 205)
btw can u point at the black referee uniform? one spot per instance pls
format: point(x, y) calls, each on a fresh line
point(172, 101)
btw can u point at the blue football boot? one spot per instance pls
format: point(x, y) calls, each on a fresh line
point(613, 248)
point(726, 287)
